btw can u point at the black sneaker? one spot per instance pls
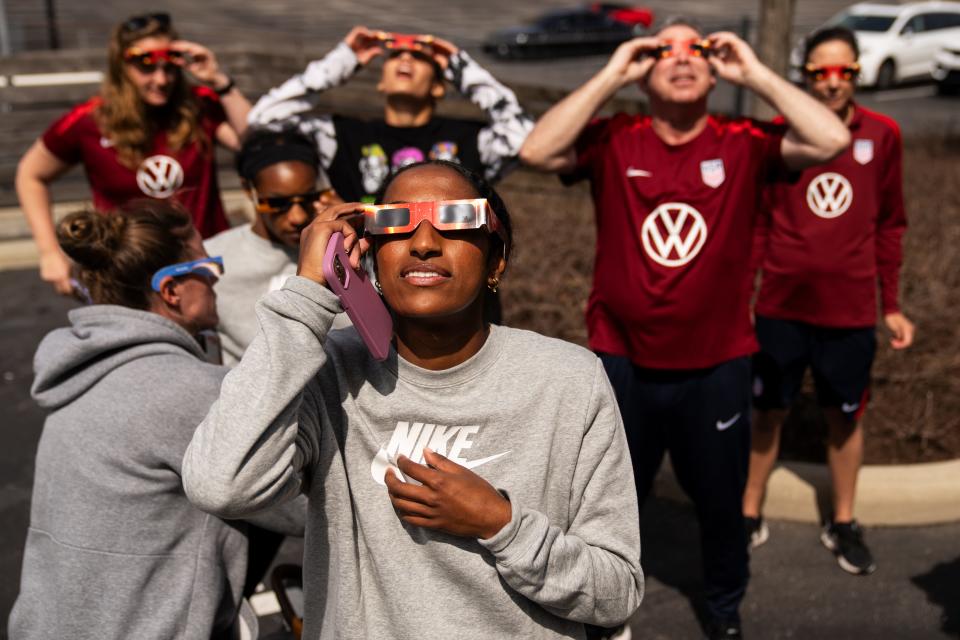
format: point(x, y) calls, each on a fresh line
point(845, 539)
point(757, 532)
point(724, 630)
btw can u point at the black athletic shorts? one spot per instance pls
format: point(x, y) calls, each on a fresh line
point(840, 360)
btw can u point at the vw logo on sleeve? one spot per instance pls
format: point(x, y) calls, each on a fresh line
point(829, 195)
point(160, 176)
point(673, 234)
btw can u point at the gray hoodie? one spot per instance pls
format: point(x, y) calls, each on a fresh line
point(312, 412)
point(114, 549)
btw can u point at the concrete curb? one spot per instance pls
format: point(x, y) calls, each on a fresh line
point(887, 495)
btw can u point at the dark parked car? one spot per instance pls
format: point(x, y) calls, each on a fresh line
point(589, 30)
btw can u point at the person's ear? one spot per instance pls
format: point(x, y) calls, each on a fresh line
point(247, 187)
point(438, 90)
point(169, 292)
point(380, 83)
point(497, 265)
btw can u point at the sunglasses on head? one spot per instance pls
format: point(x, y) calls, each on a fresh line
point(148, 61)
point(696, 48)
point(842, 71)
point(444, 215)
point(137, 23)
point(210, 267)
point(276, 205)
point(397, 42)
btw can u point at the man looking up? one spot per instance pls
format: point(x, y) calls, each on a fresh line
point(675, 194)
point(359, 154)
point(830, 237)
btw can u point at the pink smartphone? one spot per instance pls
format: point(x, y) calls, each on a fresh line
point(359, 298)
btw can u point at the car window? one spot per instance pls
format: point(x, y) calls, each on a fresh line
point(860, 22)
point(916, 25)
point(935, 21)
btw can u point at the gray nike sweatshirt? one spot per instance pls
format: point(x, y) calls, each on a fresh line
point(114, 548)
point(312, 412)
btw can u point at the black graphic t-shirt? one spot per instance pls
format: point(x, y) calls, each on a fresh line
point(369, 151)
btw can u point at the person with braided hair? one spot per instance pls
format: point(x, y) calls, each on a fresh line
point(114, 548)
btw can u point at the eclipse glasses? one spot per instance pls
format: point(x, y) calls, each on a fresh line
point(397, 42)
point(816, 73)
point(147, 61)
point(444, 215)
point(695, 47)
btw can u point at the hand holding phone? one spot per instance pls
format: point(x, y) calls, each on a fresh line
point(359, 298)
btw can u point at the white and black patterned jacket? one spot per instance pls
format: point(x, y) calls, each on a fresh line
point(359, 154)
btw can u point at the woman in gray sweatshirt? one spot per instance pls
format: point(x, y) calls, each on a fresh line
point(114, 548)
point(476, 484)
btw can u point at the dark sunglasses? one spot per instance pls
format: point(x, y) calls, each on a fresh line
point(136, 23)
point(148, 61)
point(281, 204)
point(847, 72)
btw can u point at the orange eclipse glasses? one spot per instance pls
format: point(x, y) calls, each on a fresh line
point(148, 60)
point(694, 47)
point(396, 42)
point(847, 72)
point(444, 215)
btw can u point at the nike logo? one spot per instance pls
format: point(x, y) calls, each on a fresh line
point(473, 464)
point(638, 173)
point(723, 426)
point(846, 407)
point(410, 439)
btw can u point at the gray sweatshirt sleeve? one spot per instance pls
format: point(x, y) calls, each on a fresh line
point(289, 102)
point(590, 572)
point(250, 451)
point(500, 142)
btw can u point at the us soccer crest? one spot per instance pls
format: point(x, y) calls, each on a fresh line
point(712, 172)
point(863, 150)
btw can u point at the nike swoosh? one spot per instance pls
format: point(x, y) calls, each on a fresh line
point(849, 408)
point(723, 426)
point(637, 173)
point(473, 464)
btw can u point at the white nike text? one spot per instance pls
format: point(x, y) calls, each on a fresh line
point(411, 439)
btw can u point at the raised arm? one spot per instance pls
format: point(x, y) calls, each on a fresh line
point(202, 64)
point(252, 449)
point(302, 92)
point(815, 133)
point(37, 169)
point(550, 146)
point(499, 143)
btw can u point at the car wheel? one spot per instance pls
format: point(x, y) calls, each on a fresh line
point(887, 75)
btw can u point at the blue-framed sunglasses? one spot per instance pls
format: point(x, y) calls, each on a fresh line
point(210, 267)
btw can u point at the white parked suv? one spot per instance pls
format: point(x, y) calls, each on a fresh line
point(898, 41)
